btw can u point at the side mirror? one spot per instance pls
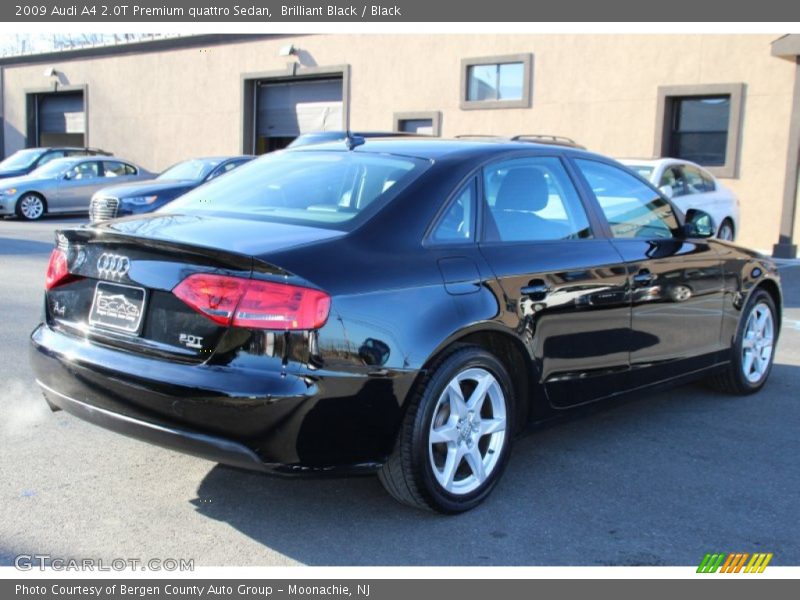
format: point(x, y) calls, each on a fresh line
point(699, 224)
point(667, 191)
point(67, 176)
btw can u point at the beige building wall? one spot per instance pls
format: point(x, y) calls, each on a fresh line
point(161, 107)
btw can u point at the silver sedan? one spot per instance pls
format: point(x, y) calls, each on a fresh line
point(64, 185)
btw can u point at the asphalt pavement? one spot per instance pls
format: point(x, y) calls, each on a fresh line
point(660, 480)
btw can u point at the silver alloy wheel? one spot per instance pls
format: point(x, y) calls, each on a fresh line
point(31, 206)
point(725, 232)
point(466, 435)
point(757, 343)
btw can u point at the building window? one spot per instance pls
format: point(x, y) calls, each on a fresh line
point(420, 123)
point(699, 130)
point(701, 124)
point(496, 82)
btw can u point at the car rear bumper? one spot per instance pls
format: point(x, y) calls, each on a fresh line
point(205, 446)
point(268, 421)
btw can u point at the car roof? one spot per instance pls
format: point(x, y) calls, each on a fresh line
point(666, 160)
point(70, 160)
point(216, 158)
point(439, 148)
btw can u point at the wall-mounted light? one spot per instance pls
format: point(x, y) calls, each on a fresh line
point(50, 72)
point(289, 50)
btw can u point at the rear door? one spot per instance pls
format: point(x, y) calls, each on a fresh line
point(676, 283)
point(565, 287)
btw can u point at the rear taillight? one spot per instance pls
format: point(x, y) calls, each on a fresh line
point(237, 302)
point(57, 270)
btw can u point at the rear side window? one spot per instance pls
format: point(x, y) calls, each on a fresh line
point(117, 169)
point(673, 177)
point(709, 181)
point(695, 182)
point(318, 187)
point(458, 222)
point(632, 209)
point(532, 199)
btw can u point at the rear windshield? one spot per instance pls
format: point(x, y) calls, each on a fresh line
point(194, 170)
point(319, 188)
point(643, 170)
point(22, 159)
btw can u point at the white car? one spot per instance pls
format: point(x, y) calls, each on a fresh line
point(689, 185)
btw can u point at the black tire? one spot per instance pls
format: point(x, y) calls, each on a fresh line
point(408, 475)
point(732, 379)
point(726, 224)
point(27, 215)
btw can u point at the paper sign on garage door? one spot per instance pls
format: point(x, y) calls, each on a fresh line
point(287, 109)
point(61, 113)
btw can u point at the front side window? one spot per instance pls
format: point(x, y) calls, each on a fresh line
point(532, 199)
point(84, 170)
point(632, 209)
point(316, 187)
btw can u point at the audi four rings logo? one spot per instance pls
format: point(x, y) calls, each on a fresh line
point(113, 265)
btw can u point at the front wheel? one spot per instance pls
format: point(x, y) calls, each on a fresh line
point(30, 207)
point(456, 436)
point(753, 350)
point(726, 231)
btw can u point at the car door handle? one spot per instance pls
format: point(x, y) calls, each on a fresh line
point(644, 277)
point(536, 291)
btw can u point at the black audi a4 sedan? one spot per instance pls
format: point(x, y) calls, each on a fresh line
point(399, 306)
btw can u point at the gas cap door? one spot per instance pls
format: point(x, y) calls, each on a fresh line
point(460, 275)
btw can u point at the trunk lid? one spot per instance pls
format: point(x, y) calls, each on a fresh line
point(123, 274)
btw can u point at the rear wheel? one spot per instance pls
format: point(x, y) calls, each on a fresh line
point(456, 435)
point(726, 231)
point(30, 207)
point(753, 350)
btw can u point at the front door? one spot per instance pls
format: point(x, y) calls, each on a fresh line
point(77, 186)
point(676, 283)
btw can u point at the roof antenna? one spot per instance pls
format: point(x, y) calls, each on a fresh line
point(352, 141)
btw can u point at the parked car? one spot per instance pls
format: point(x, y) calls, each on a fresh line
point(403, 307)
point(24, 161)
point(321, 137)
point(147, 196)
point(689, 186)
point(63, 185)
